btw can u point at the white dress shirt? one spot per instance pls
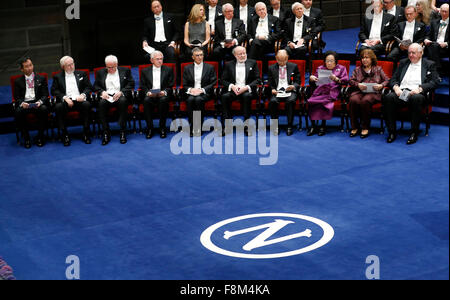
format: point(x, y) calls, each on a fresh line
point(375, 30)
point(159, 29)
point(276, 13)
point(392, 11)
point(298, 29)
point(243, 14)
point(408, 34)
point(307, 12)
point(212, 16)
point(413, 76)
point(282, 82)
point(112, 83)
point(262, 30)
point(441, 32)
point(156, 72)
point(29, 92)
point(71, 86)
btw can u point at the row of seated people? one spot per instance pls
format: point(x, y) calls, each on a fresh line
point(387, 30)
point(414, 78)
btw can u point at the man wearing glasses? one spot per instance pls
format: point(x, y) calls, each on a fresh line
point(397, 11)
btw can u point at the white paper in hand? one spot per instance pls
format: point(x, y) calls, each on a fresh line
point(324, 76)
point(405, 95)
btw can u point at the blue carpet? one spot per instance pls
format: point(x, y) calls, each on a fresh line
point(137, 211)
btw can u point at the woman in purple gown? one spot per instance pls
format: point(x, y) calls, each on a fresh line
point(321, 101)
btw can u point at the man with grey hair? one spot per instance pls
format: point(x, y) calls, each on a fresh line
point(156, 86)
point(413, 79)
point(239, 80)
point(397, 11)
point(279, 11)
point(377, 29)
point(263, 31)
point(299, 30)
point(230, 32)
point(71, 89)
point(114, 86)
point(437, 39)
point(409, 31)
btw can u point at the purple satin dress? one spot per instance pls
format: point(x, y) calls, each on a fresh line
point(321, 101)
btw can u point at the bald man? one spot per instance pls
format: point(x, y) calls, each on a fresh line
point(284, 82)
point(418, 76)
point(239, 80)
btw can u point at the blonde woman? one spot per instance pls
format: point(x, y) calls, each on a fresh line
point(197, 31)
point(423, 11)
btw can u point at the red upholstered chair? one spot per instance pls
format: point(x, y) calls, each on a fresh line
point(139, 106)
point(113, 110)
point(211, 106)
point(340, 104)
point(299, 104)
point(31, 118)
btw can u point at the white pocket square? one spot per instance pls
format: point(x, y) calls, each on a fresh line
point(251, 69)
point(387, 24)
point(418, 29)
point(428, 73)
point(168, 21)
point(81, 78)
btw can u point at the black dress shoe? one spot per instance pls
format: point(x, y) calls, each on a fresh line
point(86, 138)
point(66, 140)
point(106, 138)
point(363, 136)
point(40, 142)
point(353, 133)
point(149, 133)
point(289, 131)
point(163, 133)
point(391, 138)
point(322, 131)
point(123, 138)
point(311, 131)
point(27, 144)
point(412, 138)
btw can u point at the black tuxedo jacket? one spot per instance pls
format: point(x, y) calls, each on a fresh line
point(126, 81)
point(292, 73)
point(285, 13)
point(419, 31)
point(40, 89)
point(209, 78)
point(434, 31)
point(429, 74)
point(388, 28)
point(274, 27)
point(250, 12)
point(58, 88)
point(308, 30)
point(315, 14)
point(167, 79)
point(170, 29)
point(251, 74)
point(399, 14)
point(237, 31)
point(218, 15)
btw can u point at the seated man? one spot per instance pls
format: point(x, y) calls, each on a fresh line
point(437, 39)
point(263, 31)
point(71, 89)
point(30, 97)
point(315, 14)
point(156, 86)
point(298, 32)
point(244, 12)
point(409, 30)
point(239, 80)
point(284, 78)
point(161, 32)
point(397, 11)
point(230, 32)
point(377, 29)
point(114, 85)
point(198, 81)
point(278, 11)
point(416, 75)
